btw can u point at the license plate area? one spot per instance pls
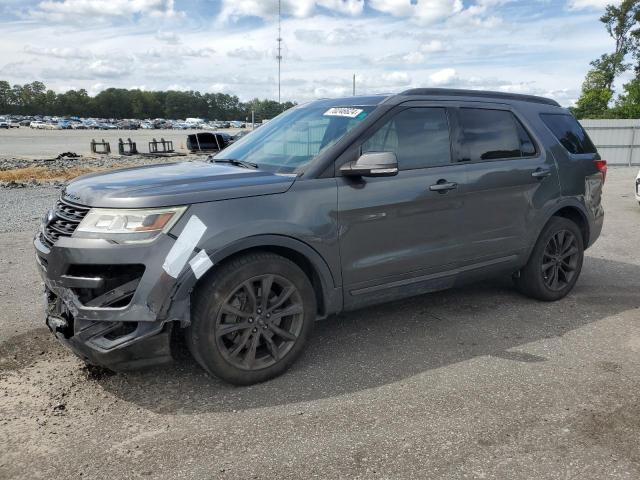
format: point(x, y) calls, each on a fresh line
point(58, 317)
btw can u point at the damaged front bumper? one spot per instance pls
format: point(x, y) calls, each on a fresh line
point(112, 305)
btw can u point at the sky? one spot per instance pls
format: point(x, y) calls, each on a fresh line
point(525, 46)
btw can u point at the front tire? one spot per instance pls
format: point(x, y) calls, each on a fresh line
point(555, 262)
point(251, 318)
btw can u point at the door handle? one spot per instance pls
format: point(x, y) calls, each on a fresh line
point(443, 186)
point(541, 173)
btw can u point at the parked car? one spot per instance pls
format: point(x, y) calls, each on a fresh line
point(329, 207)
point(638, 188)
point(37, 124)
point(4, 123)
point(14, 123)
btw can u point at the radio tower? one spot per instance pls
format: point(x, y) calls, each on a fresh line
point(279, 57)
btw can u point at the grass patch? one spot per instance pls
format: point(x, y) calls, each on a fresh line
point(44, 174)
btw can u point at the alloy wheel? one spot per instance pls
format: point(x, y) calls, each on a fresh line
point(259, 322)
point(560, 260)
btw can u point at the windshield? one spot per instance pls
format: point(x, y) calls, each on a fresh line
point(291, 140)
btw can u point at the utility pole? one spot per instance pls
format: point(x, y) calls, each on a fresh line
point(354, 84)
point(279, 57)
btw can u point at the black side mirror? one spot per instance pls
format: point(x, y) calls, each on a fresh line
point(372, 164)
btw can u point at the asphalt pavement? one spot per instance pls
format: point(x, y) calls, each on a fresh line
point(476, 382)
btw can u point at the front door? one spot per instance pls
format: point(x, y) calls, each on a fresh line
point(397, 233)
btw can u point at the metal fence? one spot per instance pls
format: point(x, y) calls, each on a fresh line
point(617, 141)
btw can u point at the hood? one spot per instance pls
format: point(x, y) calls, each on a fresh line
point(173, 184)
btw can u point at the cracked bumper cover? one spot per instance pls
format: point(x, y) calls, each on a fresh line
point(121, 338)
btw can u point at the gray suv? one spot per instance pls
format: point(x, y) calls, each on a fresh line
point(331, 206)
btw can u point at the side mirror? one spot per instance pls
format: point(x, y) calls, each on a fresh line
point(372, 164)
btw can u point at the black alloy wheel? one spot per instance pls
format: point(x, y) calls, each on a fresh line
point(251, 317)
point(560, 260)
point(259, 322)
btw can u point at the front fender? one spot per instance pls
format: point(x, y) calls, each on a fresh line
point(178, 305)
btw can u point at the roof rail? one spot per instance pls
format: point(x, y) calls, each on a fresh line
point(479, 93)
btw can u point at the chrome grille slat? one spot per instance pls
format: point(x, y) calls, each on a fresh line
point(67, 217)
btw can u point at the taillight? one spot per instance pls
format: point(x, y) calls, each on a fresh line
point(601, 165)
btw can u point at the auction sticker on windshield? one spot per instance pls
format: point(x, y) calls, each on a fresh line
point(343, 112)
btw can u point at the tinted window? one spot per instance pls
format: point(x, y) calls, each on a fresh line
point(569, 132)
point(418, 136)
point(493, 134)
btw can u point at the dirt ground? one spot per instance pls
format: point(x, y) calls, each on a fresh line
point(477, 382)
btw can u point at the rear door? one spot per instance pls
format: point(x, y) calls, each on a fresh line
point(394, 231)
point(510, 178)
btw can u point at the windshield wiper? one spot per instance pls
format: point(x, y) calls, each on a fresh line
point(233, 161)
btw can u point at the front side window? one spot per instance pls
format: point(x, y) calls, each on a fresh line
point(492, 135)
point(569, 133)
point(418, 136)
point(290, 141)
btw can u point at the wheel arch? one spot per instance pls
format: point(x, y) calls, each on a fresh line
point(573, 211)
point(327, 290)
point(578, 217)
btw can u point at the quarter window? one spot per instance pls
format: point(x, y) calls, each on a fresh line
point(569, 133)
point(492, 135)
point(418, 136)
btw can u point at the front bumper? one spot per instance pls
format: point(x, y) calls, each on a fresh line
point(112, 305)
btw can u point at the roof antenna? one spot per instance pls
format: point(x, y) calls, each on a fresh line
point(279, 57)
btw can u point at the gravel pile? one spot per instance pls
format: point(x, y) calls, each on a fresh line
point(69, 160)
point(64, 161)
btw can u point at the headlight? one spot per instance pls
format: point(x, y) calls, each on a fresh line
point(125, 226)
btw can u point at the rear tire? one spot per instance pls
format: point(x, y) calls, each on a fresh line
point(555, 262)
point(243, 336)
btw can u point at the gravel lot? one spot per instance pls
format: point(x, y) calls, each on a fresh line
point(25, 142)
point(476, 382)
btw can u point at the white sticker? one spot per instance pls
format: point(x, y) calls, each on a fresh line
point(343, 112)
point(200, 263)
point(181, 250)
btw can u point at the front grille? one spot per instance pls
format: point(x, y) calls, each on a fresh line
point(66, 218)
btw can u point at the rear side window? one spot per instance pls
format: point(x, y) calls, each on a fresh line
point(493, 135)
point(568, 132)
point(418, 136)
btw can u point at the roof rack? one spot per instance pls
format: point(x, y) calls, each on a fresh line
point(479, 93)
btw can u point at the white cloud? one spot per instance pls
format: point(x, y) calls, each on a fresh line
point(335, 36)
point(349, 7)
point(414, 58)
point(177, 53)
point(170, 38)
point(59, 52)
point(235, 9)
point(422, 12)
point(444, 77)
point(395, 79)
point(83, 10)
point(584, 4)
point(247, 53)
point(433, 46)
point(549, 57)
point(108, 69)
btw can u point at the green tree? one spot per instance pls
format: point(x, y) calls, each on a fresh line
point(597, 89)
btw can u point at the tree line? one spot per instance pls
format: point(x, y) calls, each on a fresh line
point(35, 99)
point(598, 97)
